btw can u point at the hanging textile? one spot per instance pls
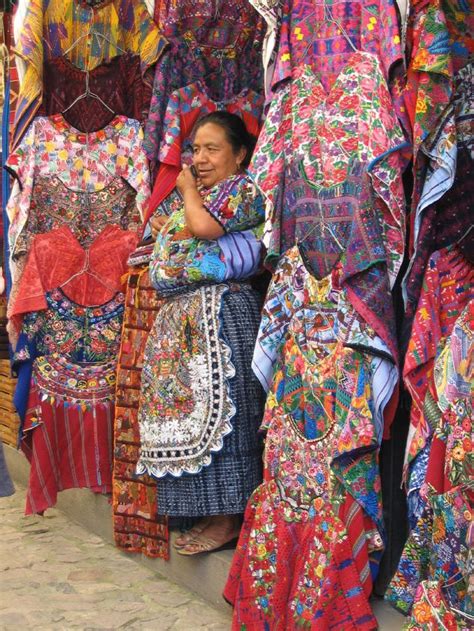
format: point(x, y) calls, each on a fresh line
point(88, 33)
point(137, 525)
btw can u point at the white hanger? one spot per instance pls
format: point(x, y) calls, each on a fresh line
point(93, 34)
point(329, 17)
point(86, 94)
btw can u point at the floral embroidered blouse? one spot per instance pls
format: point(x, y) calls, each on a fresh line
point(88, 33)
point(326, 139)
point(180, 259)
point(87, 164)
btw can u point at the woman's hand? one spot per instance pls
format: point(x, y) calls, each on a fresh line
point(186, 181)
point(156, 224)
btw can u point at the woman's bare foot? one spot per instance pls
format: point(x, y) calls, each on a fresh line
point(189, 535)
point(221, 530)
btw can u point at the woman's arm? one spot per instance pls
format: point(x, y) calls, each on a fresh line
point(199, 221)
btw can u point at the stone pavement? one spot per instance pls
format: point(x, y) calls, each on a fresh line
point(54, 574)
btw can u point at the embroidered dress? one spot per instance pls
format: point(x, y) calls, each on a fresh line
point(317, 145)
point(87, 34)
point(85, 163)
point(320, 459)
point(200, 404)
point(185, 107)
point(431, 610)
point(118, 82)
point(137, 526)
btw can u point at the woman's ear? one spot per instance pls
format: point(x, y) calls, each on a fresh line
point(241, 155)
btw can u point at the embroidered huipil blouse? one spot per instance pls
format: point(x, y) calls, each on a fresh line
point(54, 28)
point(185, 107)
point(320, 454)
point(118, 83)
point(315, 145)
point(308, 36)
point(100, 167)
point(180, 259)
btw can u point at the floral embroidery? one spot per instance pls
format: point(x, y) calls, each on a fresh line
point(185, 406)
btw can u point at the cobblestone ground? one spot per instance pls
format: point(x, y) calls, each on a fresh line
point(54, 574)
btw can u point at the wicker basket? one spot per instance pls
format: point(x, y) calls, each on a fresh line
point(9, 420)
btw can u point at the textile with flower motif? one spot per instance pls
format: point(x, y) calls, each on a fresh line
point(118, 82)
point(432, 612)
point(86, 35)
point(67, 434)
point(319, 146)
point(180, 259)
point(443, 214)
point(447, 288)
point(86, 163)
point(452, 460)
point(320, 452)
point(185, 407)
point(137, 526)
point(437, 549)
point(185, 107)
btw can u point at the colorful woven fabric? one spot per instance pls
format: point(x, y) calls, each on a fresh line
point(185, 107)
point(87, 35)
point(67, 435)
point(224, 52)
point(86, 163)
point(137, 526)
point(321, 469)
point(80, 333)
point(316, 146)
point(180, 259)
point(118, 83)
point(431, 611)
point(185, 404)
point(88, 277)
point(437, 549)
point(447, 288)
point(309, 36)
point(236, 470)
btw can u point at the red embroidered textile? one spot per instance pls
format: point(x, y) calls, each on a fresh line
point(67, 435)
point(87, 276)
point(137, 526)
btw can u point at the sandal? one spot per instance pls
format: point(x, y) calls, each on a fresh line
point(207, 544)
point(186, 537)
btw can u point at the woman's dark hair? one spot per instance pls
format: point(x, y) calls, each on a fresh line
point(235, 131)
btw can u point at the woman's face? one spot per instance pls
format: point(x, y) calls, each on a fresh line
point(214, 156)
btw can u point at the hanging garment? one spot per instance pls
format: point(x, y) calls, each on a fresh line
point(317, 146)
point(437, 550)
point(118, 82)
point(320, 457)
point(447, 288)
point(432, 611)
point(67, 434)
point(185, 107)
point(88, 33)
point(87, 276)
point(443, 213)
point(84, 163)
point(308, 36)
point(137, 525)
point(225, 55)
point(271, 11)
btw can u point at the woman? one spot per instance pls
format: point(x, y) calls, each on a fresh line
point(201, 405)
